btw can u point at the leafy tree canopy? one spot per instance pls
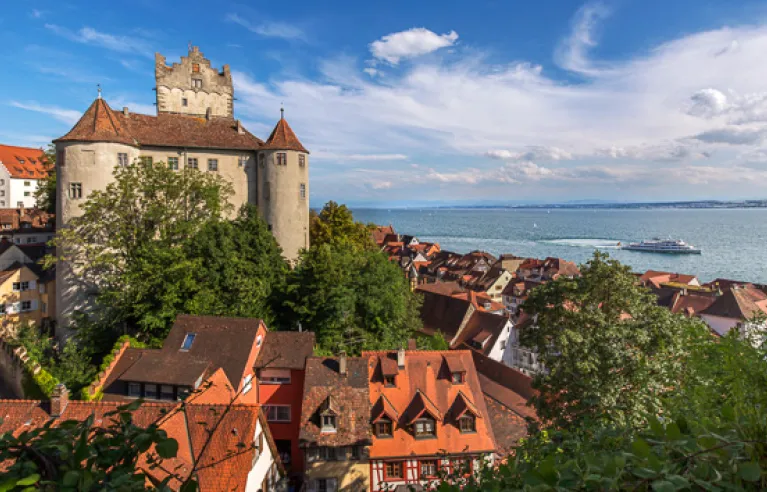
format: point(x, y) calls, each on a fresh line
point(353, 300)
point(610, 352)
point(335, 225)
point(45, 194)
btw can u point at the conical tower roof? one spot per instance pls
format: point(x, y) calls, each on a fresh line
point(283, 138)
point(99, 124)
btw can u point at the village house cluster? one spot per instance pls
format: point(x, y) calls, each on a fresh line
point(377, 422)
point(476, 301)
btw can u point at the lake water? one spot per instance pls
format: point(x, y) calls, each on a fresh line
point(733, 241)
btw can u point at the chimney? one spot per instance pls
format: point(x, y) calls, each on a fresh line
point(240, 129)
point(401, 358)
point(684, 291)
point(411, 344)
point(125, 110)
point(59, 400)
point(342, 363)
point(208, 113)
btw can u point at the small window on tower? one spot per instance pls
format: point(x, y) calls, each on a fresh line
point(282, 159)
point(197, 83)
point(196, 67)
point(184, 102)
point(302, 160)
point(303, 191)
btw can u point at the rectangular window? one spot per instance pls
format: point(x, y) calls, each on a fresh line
point(428, 469)
point(75, 191)
point(303, 191)
point(457, 377)
point(26, 305)
point(146, 160)
point(122, 159)
point(241, 161)
point(16, 286)
point(173, 163)
point(27, 183)
point(424, 428)
point(355, 452)
point(393, 470)
point(27, 193)
point(383, 428)
point(466, 424)
point(45, 308)
point(150, 391)
point(2, 192)
point(302, 160)
point(25, 286)
point(2, 309)
point(134, 390)
point(390, 381)
point(274, 376)
point(278, 413)
point(196, 83)
point(212, 164)
point(166, 392)
point(19, 205)
point(191, 163)
point(188, 341)
point(328, 423)
point(282, 159)
point(184, 102)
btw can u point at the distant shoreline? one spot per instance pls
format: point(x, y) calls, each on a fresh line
point(695, 205)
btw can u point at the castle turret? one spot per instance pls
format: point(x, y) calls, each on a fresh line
point(193, 87)
point(283, 189)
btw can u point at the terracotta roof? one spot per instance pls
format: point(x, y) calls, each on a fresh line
point(508, 426)
point(425, 385)
point(741, 303)
point(443, 313)
point(24, 162)
point(380, 233)
point(445, 288)
point(482, 327)
point(691, 303)
point(283, 138)
point(383, 407)
point(286, 350)
point(225, 461)
point(349, 393)
point(506, 384)
point(656, 278)
point(162, 367)
point(102, 124)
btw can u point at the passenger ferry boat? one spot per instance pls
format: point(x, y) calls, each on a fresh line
point(657, 245)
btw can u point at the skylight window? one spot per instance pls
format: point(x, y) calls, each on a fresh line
point(188, 341)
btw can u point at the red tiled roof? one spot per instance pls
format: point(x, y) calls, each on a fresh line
point(424, 385)
point(283, 138)
point(741, 303)
point(102, 124)
point(24, 162)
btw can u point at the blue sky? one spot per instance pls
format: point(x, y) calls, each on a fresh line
point(434, 102)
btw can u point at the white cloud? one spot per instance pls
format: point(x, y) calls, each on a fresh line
point(409, 44)
point(37, 13)
point(708, 103)
point(572, 53)
point(380, 185)
point(269, 29)
point(533, 153)
point(69, 116)
point(90, 36)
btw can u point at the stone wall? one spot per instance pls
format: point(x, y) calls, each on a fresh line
point(13, 362)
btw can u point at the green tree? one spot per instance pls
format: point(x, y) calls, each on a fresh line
point(128, 243)
point(335, 225)
point(611, 354)
point(45, 194)
point(239, 270)
point(353, 300)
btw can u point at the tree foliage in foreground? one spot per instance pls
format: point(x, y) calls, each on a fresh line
point(611, 353)
point(353, 300)
point(78, 455)
point(45, 194)
point(335, 225)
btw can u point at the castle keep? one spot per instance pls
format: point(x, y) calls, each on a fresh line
point(194, 128)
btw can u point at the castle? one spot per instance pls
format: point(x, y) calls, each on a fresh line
point(194, 128)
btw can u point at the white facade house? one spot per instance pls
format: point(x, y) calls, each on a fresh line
point(265, 474)
point(21, 170)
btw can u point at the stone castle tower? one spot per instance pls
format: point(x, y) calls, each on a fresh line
point(193, 87)
point(194, 128)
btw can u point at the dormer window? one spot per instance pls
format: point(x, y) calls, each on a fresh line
point(383, 428)
point(424, 427)
point(188, 341)
point(467, 424)
point(457, 377)
point(390, 381)
point(329, 423)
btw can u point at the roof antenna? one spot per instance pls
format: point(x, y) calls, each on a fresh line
point(99, 89)
point(282, 111)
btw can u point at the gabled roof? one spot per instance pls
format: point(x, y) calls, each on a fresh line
point(383, 407)
point(24, 162)
point(443, 313)
point(324, 384)
point(419, 405)
point(286, 350)
point(283, 138)
point(102, 124)
point(463, 404)
point(159, 367)
point(742, 303)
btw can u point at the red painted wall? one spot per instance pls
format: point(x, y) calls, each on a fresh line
point(287, 394)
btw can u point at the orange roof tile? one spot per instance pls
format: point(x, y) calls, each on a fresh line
point(24, 162)
point(283, 138)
